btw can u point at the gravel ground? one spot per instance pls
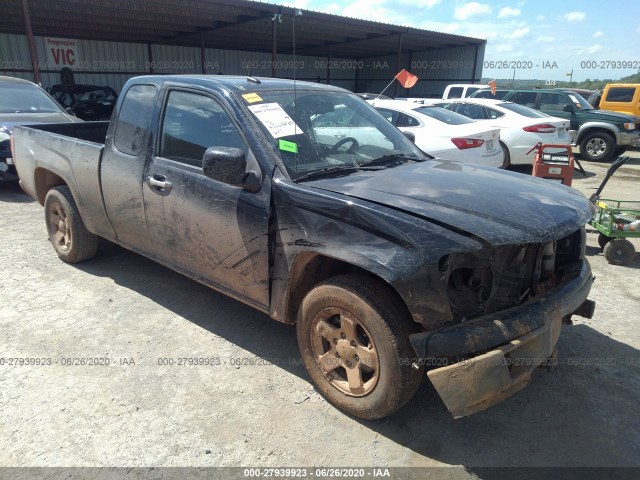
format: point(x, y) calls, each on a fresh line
point(254, 405)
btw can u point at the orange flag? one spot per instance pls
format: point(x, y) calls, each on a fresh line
point(492, 84)
point(406, 79)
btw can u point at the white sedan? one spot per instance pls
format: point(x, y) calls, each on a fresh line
point(444, 134)
point(520, 127)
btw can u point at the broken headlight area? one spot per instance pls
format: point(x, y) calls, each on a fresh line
point(495, 279)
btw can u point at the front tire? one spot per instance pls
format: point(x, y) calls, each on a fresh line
point(70, 238)
point(353, 335)
point(597, 146)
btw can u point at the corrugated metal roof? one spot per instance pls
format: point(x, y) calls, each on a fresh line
point(222, 24)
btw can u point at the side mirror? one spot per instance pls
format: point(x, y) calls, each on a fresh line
point(229, 165)
point(568, 108)
point(410, 135)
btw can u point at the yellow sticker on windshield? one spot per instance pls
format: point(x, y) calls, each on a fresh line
point(252, 97)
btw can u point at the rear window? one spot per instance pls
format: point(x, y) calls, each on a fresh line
point(620, 94)
point(132, 129)
point(455, 92)
point(445, 116)
point(25, 98)
point(522, 110)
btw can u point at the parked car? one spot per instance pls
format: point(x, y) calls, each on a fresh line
point(462, 90)
point(520, 127)
point(594, 99)
point(23, 102)
point(445, 134)
point(618, 97)
point(384, 259)
point(87, 102)
point(600, 134)
point(486, 93)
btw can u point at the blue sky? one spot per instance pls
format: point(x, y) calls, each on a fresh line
point(584, 36)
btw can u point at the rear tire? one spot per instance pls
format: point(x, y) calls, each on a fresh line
point(506, 163)
point(70, 238)
point(619, 251)
point(354, 339)
point(597, 146)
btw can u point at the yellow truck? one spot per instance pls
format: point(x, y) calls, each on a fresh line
point(619, 97)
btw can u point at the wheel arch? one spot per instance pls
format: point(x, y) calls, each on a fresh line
point(45, 180)
point(311, 268)
point(590, 128)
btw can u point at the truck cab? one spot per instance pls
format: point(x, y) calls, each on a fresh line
point(462, 90)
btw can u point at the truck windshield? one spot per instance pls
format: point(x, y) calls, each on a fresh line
point(316, 132)
point(25, 98)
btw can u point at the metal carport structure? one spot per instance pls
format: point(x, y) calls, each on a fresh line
point(377, 50)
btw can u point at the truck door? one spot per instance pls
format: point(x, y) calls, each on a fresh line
point(212, 230)
point(553, 103)
point(123, 166)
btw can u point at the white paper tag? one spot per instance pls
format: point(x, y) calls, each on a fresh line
point(574, 99)
point(275, 119)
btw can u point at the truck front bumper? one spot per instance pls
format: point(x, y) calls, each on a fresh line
point(512, 344)
point(631, 139)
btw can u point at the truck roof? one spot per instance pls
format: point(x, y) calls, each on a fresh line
point(237, 83)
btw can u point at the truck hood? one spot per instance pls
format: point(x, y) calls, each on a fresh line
point(611, 116)
point(494, 206)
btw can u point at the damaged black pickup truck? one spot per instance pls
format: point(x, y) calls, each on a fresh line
point(306, 204)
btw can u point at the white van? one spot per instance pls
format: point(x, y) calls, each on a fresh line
point(461, 90)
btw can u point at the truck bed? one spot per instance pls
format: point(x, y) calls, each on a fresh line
point(95, 132)
point(72, 152)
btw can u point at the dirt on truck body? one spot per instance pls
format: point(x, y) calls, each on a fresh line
point(305, 203)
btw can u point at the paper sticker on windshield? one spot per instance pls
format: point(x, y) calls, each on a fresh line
point(252, 97)
point(286, 146)
point(275, 119)
point(574, 99)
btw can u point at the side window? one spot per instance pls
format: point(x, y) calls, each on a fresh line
point(494, 113)
point(455, 92)
point(620, 94)
point(551, 101)
point(405, 120)
point(527, 99)
point(132, 129)
point(191, 124)
point(388, 114)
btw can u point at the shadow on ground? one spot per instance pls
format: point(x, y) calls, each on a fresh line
point(583, 412)
point(11, 192)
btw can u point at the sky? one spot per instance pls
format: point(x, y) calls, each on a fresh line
point(542, 39)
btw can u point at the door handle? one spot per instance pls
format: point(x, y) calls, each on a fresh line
point(160, 182)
